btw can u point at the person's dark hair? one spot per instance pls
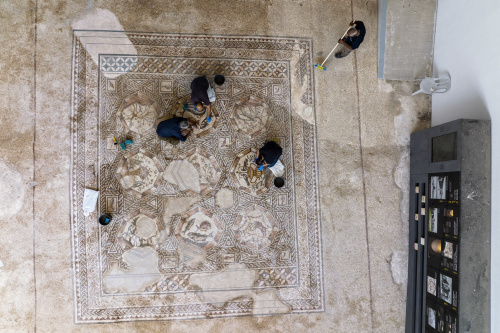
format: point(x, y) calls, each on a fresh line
point(219, 79)
point(260, 160)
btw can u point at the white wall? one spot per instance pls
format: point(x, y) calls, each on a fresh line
point(467, 46)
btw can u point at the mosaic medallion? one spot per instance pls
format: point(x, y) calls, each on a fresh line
point(250, 116)
point(197, 230)
point(246, 173)
point(138, 113)
point(199, 227)
point(255, 228)
point(141, 229)
point(195, 172)
point(138, 171)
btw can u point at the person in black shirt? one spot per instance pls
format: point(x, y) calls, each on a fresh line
point(354, 38)
point(268, 155)
point(199, 95)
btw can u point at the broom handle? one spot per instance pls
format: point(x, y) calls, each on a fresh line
point(329, 54)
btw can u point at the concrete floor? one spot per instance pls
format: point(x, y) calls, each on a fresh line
point(363, 128)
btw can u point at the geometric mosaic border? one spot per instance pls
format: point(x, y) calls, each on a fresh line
point(260, 71)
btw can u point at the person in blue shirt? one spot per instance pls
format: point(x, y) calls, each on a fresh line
point(178, 127)
point(353, 39)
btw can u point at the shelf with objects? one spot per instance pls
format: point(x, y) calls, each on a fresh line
point(449, 228)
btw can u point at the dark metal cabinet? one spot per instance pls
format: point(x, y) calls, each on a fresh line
point(449, 228)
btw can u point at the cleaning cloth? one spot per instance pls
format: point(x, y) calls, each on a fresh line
point(89, 201)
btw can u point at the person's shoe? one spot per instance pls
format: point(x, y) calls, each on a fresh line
point(338, 55)
point(173, 141)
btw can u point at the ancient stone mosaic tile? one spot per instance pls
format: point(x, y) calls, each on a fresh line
point(197, 231)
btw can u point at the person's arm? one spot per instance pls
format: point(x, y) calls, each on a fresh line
point(193, 124)
point(341, 41)
point(209, 110)
point(353, 23)
point(188, 133)
point(258, 153)
point(205, 99)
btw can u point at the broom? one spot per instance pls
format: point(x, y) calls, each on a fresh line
point(329, 54)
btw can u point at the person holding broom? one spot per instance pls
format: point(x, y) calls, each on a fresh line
point(354, 38)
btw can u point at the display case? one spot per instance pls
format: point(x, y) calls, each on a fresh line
point(449, 228)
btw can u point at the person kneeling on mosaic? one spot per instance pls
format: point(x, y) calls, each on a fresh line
point(202, 95)
point(269, 156)
point(175, 129)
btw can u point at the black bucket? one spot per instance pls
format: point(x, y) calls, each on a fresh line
point(104, 219)
point(219, 79)
point(279, 182)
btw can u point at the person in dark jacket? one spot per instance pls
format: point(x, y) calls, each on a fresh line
point(177, 127)
point(199, 95)
point(353, 39)
point(268, 155)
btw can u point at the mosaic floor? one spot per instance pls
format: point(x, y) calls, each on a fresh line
point(197, 230)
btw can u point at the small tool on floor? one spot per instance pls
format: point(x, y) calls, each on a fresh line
point(321, 67)
point(124, 143)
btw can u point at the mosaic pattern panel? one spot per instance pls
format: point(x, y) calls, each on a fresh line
point(197, 230)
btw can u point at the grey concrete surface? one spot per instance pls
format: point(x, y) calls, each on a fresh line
point(363, 127)
point(475, 260)
point(473, 95)
point(406, 51)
